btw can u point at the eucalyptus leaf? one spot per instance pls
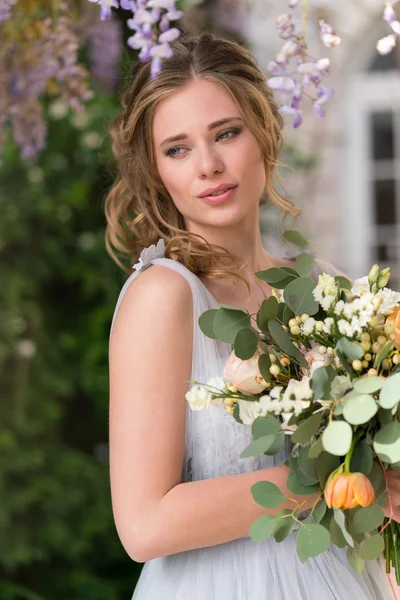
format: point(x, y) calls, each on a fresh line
point(298, 295)
point(390, 392)
point(295, 487)
point(307, 428)
point(264, 363)
point(307, 465)
point(267, 494)
point(245, 344)
point(383, 353)
point(315, 449)
point(236, 414)
point(387, 443)
point(341, 521)
point(258, 446)
point(343, 282)
point(313, 540)
point(228, 322)
point(337, 534)
point(304, 264)
point(355, 560)
point(262, 528)
point(295, 237)
point(337, 438)
point(326, 463)
point(280, 336)
point(269, 310)
point(275, 277)
point(360, 409)
point(285, 523)
point(321, 382)
point(263, 426)
point(372, 547)
point(368, 518)
point(362, 458)
point(206, 323)
point(351, 350)
point(369, 384)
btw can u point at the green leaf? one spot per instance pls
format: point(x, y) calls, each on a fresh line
point(362, 458)
point(262, 528)
point(245, 344)
point(258, 446)
point(315, 449)
point(295, 487)
point(295, 237)
point(269, 309)
point(387, 443)
point(267, 494)
point(235, 414)
point(368, 518)
point(263, 426)
point(307, 428)
point(321, 382)
point(341, 521)
point(337, 437)
point(320, 510)
point(390, 392)
point(351, 350)
point(355, 560)
point(369, 385)
point(336, 534)
point(326, 464)
point(298, 295)
point(304, 264)
point(275, 277)
point(227, 323)
point(284, 524)
point(280, 336)
point(372, 547)
point(359, 409)
point(264, 363)
point(308, 466)
point(206, 322)
point(313, 540)
point(287, 315)
point(343, 282)
point(383, 353)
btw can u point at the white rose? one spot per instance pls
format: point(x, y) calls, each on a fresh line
point(217, 385)
point(390, 299)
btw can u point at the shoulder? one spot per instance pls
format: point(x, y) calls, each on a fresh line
point(155, 294)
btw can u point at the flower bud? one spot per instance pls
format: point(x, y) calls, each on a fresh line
point(274, 370)
point(365, 337)
point(381, 340)
point(295, 330)
point(389, 328)
point(372, 372)
point(366, 346)
point(228, 402)
point(357, 365)
point(373, 321)
point(376, 347)
point(348, 490)
point(377, 302)
point(373, 275)
point(304, 317)
point(383, 280)
point(396, 359)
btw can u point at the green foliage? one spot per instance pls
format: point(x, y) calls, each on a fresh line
point(58, 291)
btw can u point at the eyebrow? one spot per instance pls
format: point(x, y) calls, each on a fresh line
point(214, 125)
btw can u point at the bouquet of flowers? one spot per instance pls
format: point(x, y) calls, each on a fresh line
point(319, 362)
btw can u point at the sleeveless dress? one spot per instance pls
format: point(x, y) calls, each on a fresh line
point(240, 569)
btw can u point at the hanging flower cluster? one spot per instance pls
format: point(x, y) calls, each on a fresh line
point(151, 22)
point(308, 72)
point(388, 42)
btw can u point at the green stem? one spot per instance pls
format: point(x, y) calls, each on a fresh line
point(347, 459)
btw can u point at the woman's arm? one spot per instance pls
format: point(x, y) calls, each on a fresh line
point(150, 366)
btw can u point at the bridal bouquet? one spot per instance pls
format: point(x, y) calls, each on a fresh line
point(319, 362)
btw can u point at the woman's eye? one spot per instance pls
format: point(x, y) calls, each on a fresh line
point(235, 131)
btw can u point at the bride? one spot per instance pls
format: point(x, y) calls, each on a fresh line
point(197, 151)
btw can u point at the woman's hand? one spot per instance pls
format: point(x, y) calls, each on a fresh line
point(393, 485)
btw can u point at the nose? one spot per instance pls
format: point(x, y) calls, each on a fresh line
point(209, 162)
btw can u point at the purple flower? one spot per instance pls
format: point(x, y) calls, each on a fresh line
point(293, 3)
point(169, 36)
point(275, 68)
point(386, 44)
point(5, 9)
point(328, 35)
point(296, 113)
point(282, 84)
point(105, 8)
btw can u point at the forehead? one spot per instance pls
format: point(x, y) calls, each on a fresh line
point(195, 105)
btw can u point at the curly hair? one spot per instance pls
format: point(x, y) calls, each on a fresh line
point(138, 208)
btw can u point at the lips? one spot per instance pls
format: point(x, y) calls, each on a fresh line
point(218, 188)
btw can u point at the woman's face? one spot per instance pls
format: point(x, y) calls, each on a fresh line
point(228, 153)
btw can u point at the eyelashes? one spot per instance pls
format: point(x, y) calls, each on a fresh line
point(235, 131)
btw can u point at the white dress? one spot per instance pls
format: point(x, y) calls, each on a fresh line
point(240, 569)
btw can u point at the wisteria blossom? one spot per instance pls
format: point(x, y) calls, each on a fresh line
point(309, 71)
point(5, 9)
point(388, 42)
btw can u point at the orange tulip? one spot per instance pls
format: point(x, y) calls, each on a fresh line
point(348, 490)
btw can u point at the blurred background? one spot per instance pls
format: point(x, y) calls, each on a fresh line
point(58, 286)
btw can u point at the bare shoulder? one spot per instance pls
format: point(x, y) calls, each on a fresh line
point(159, 292)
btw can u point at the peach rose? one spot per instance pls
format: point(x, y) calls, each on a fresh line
point(245, 374)
point(394, 318)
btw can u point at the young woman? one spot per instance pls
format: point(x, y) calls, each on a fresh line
point(196, 152)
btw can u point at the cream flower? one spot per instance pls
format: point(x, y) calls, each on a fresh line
point(199, 397)
point(149, 254)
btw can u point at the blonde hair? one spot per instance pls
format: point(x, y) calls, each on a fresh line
point(138, 208)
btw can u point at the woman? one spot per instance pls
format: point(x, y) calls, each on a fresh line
point(180, 491)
